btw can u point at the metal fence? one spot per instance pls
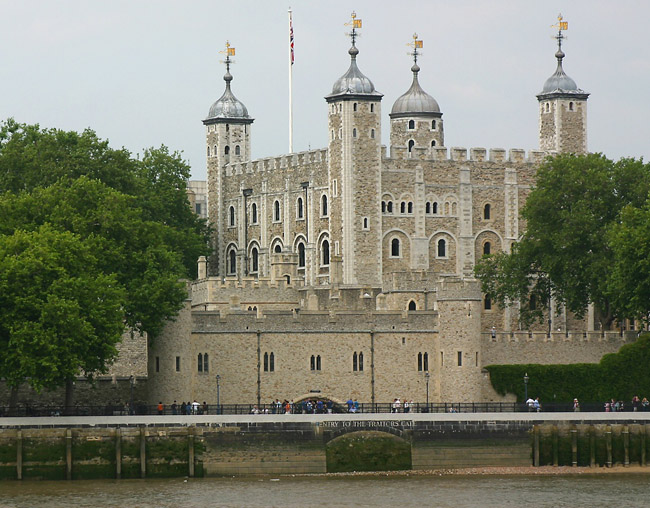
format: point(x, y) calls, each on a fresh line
point(297, 408)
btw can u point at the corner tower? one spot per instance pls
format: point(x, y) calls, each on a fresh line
point(228, 140)
point(562, 108)
point(354, 167)
point(415, 120)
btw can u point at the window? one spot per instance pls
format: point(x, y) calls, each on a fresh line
point(226, 150)
point(433, 126)
point(277, 249)
point(325, 253)
point(372, 108)
point(300, 213)
point(486, 248)
point(178, 364)
point(355, 365)
point(487, 303)
point(214, 150)
point(402, 207)
point(314, 362)
point(276, 211)
point(354, 106)
point(409, 207)
point(360, 361)
point(200, 362)
point(335, 188)
point(548, 107)
point(411, 145)
point(486, 212)
point(570, 106)
point(323, 208)
point(413, 305)
point(269, 362)
point(232, 265)
point(427, 208)
point(389, 207)
point(460, 358)
point(442, 248)
point(411, 125)
point(372, 133)
point(254, 260)
point(433, 143)
point(208, 151)
point(354, 133)
point(365, 223)
point(254, 213)
point(198, 208)
point(157, 363)
point(301, 255)
point(394, 248)
point(434, 208)
point(231, 216)
point(237, 150)
point(383, 207)
point(205, 363)
point(423, 362)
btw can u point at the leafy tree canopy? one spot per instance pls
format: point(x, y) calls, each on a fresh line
point(568, 250)
point(131, 218)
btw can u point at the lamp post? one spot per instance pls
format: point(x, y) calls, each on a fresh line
point(218, 395)
point(426, 377)
point(526, 378)
point(132, 382)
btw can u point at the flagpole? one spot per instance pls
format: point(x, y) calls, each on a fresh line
point(290, 82)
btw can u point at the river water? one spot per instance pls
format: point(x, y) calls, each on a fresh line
point(574, 491)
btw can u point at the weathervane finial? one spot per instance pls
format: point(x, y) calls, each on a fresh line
point(416, 44)
point(229, 51)
point(561, 26)
point(354, 23)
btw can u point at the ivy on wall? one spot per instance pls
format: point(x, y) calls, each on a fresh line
point(620, 375)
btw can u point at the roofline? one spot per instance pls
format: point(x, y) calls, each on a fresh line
point(374, 96)
point(560, 94)
point(418, 114)
point(210, 121)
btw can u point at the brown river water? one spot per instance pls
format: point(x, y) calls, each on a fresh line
point(454, 491)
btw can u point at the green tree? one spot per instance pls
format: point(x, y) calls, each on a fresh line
point(564, 252)
point(60, 314)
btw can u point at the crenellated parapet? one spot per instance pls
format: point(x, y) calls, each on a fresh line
point(476, 154)
point(279, 163)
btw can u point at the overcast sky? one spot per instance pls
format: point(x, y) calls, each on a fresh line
point(143, 73)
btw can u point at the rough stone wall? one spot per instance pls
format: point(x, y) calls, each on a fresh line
point(423, 134)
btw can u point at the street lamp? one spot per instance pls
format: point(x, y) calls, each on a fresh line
point(218, 394)
point(132, 381)
point(426, 377)
point(526, 378)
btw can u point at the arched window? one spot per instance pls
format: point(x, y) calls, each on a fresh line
point(301, 255)
point(383, 207)
point(570, 106)
point(411, 145)
point(237, 150)
point(254, 260)
point(254, 213)
point(232, 258)
point(206, 364)
point(272, 362)
point(409, 207)
point(300, 212)
point(355, 365)
point(389, 207)
point(412, 305)
point(231, 215)
point(226, 150)
point(394, 248)
point(360, 361)
point(486, 212)
point(372, 108)
point(442, 248)
point(425, 361)
point(200, 363)
point(372, 133)
point(402, 207)
point(214, 150)
point(318, 362)
point(365, 223)
point(276, 211)
point(433, 143)
point(434, 208)
point(433, 126)
point(427, 208)
point(453, 208)
point(411, 125)
point(266, 362)
point(325, 253)
point(354, 106)
point(208, 151)
point(487, 303)
point(486, 248)
point(354, 133)
point(323, 208)
point(278, 248)
point(548, 107)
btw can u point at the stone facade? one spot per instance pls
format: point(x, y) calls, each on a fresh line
point(348, 271)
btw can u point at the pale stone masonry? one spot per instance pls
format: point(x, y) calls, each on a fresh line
point(348, 271)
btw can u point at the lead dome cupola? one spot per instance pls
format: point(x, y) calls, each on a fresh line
point(415, 102)
point(228, 107)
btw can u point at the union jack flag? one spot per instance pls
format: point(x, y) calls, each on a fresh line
point(291, 36)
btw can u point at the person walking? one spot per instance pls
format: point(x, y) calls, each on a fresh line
point(576, 405)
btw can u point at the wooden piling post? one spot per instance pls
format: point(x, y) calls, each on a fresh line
point(643, 437)
point(190, 444)
point(19, 455)
point(143, 452)
point(608, 436)
point(626, 444)
point(68, 454)
point(555, 432)
point(574, 446)
point(118, 453)
point(536, 445)
point(592, 446)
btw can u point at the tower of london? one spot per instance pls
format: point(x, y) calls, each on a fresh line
point(347, 271)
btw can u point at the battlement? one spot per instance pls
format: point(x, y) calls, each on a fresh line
point(458, 288)
point(573, 336)
point(459, 154)
point(214, 292)
point(280, 162)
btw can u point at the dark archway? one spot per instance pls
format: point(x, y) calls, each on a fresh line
point(369, 450)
